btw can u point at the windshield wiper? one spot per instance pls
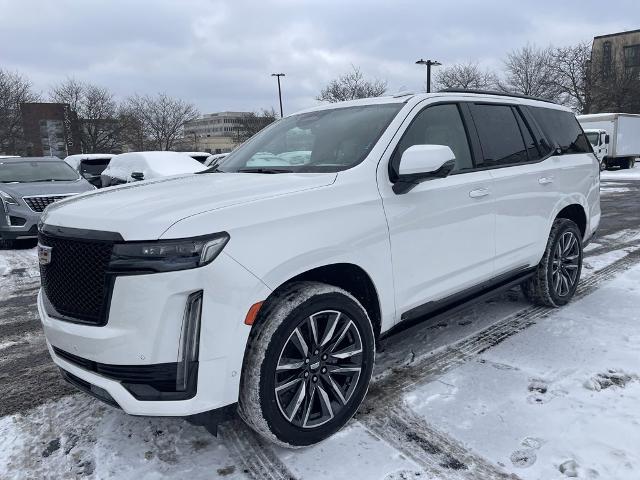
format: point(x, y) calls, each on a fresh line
point(265, 170)
point(213, 169)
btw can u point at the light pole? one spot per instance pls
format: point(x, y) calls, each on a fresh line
point(279, 89)
point(429, 64)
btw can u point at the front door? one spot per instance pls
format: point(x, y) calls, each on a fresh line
point(441, 231)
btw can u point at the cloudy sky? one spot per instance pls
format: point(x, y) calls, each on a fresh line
point(219, 55)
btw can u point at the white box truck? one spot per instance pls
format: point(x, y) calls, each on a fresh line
point(615, 137)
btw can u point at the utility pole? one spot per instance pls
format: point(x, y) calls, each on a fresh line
point(278, 75)
point(429, 64)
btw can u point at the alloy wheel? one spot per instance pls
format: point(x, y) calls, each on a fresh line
point(565, 264)
point(318, 369)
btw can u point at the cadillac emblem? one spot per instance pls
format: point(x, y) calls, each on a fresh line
point(44, 254)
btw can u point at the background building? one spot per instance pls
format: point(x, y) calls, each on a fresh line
point(615, 72)
point(50, 129)
point(215, 132)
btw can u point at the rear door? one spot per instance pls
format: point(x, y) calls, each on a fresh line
point(522, 183)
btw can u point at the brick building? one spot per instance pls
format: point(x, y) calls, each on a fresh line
point(50, 129)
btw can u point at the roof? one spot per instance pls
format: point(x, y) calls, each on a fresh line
point(415, 98)
point(91, 156)
point(605, 116)
point(30, 159)
point(616, 34)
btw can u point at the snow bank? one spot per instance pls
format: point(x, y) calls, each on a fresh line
point(629, 174)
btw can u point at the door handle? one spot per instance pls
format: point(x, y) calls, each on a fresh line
point(545, 180)
point(479, 193)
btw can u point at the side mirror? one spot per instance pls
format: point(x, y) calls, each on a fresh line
point(137, 175)
point(606, 139)
point(420, 163)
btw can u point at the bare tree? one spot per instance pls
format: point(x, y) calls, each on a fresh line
point(160, 118)
point(14, 90)
point(530, 71)
point(572, 70)
point(468, 76)
point(100, 130)
point(350, 86)
point(253, 122)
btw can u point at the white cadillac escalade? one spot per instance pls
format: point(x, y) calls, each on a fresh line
point(265, 282)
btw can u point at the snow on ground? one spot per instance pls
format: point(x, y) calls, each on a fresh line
point(593, 263)
point(81, 437)
point(627, 174)
point(560, 399)
point(18, 259)
point(18, 267)
point(607, 187)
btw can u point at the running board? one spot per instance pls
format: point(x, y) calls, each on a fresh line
point(460, 301)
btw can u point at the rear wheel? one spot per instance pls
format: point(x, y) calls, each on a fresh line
point(626, 163)
point(308, 364)
point(556, 278)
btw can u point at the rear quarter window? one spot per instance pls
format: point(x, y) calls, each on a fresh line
point(562, 129)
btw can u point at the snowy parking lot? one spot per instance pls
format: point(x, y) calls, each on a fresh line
point(500, 390)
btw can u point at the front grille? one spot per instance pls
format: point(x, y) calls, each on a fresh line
point(75, 281)
point(39, 203)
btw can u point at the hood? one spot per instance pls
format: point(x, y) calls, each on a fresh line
point(19, 190)
point(144, 210)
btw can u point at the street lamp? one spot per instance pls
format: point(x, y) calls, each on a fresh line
point(429, 64)
point(279, 89)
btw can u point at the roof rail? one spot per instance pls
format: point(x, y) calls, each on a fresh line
point(493, 92)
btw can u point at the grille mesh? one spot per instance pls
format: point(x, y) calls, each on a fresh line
point(75, 282)
point(38, 204)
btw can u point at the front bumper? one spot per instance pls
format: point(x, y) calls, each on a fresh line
point(144, 327)
point(18, 221)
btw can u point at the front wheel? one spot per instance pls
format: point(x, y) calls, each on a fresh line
point(556, 278)
point(308, 364)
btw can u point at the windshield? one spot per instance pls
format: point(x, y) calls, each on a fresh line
point(36, 171)
point(593, 137)
point(323, 141)
point(93, 167)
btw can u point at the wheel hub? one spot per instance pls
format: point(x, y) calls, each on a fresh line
point(565, 264)
point(318, 369)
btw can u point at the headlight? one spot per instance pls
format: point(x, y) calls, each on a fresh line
point(167, 255)
point(8, 199)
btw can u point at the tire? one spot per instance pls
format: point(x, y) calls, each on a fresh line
point(626, 164)
point(305, 403)
point(603, 165)
point(558, 273)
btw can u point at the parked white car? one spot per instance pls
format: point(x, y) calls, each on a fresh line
point(269, 286)
point(135, 166)
point(90, 165)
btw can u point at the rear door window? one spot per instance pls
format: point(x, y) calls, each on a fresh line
point(562, 128)
point(533, 149)
point(500, 136)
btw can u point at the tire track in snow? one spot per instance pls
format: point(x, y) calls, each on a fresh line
point(387, 416)
point(257, 458)
point(438, 454)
